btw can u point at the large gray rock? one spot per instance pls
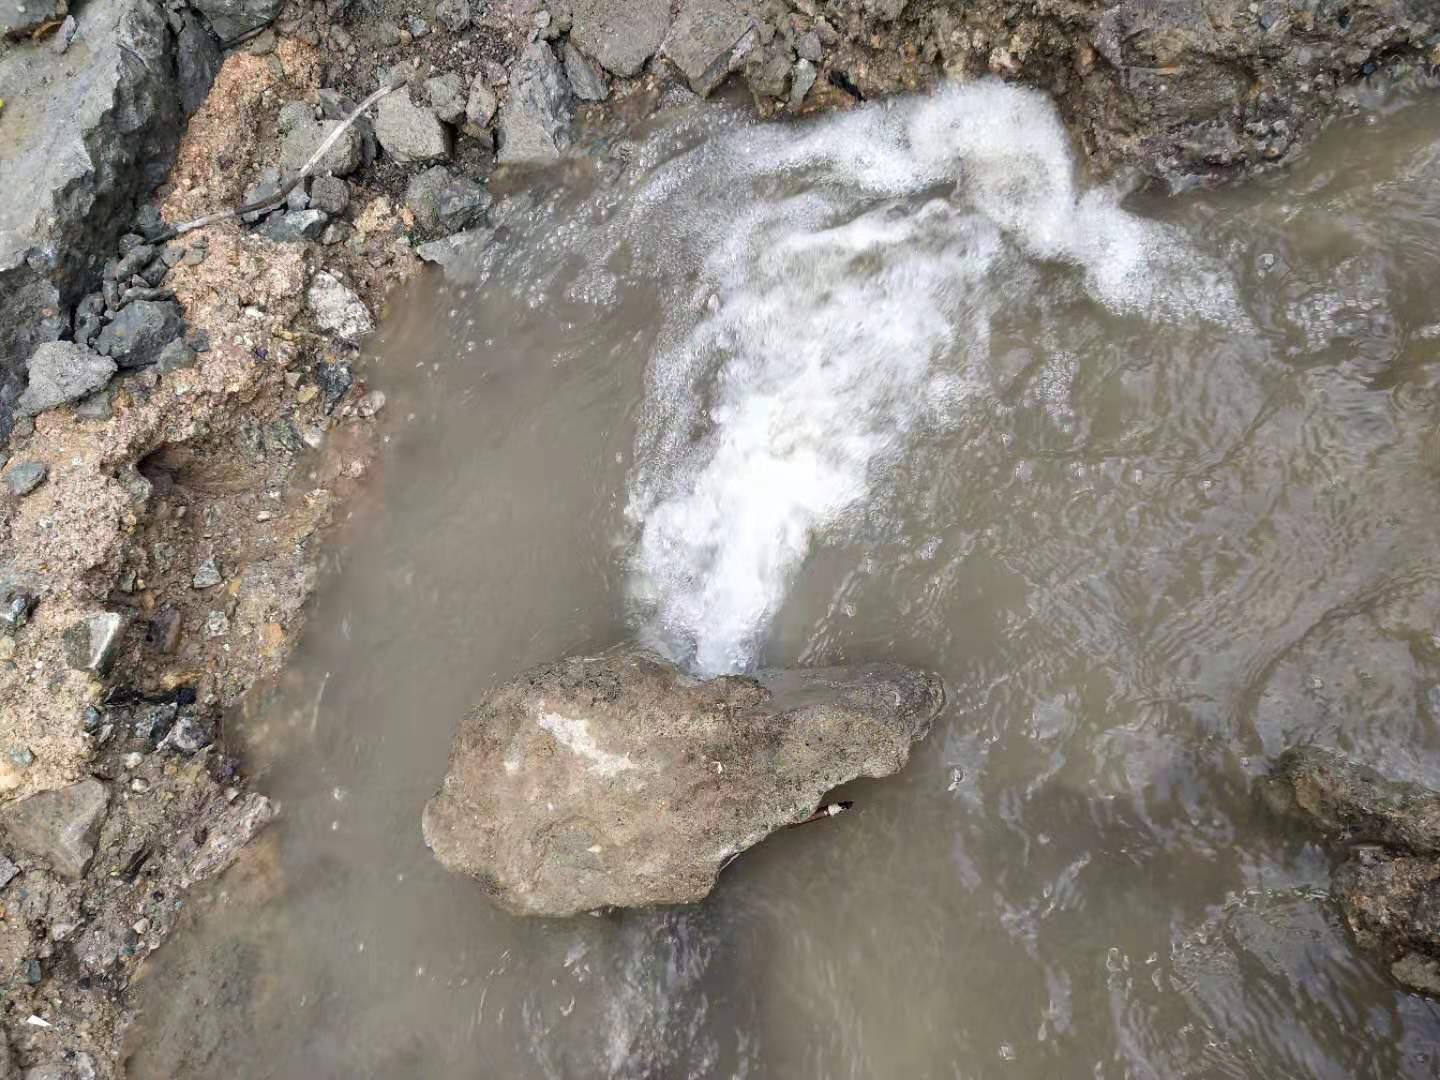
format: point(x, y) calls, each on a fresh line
point(85, 134)
point(620, 34)
point(58, 826)
point(1388, 833)
point(231, 18)
point(197, 62)
point(587, 80)
point(618, 780)
point(535, 119)
point(62, 372)
point(409, 133)
point(703, 41)
point(305, 137)
point(139, 331)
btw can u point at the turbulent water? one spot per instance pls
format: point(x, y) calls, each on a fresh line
point(1153, 483)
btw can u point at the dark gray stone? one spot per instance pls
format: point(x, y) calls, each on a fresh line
point(442, 202)
point(8, 870)
point(197, 62)
point(535, 119)
point(136, 335)
point(58, 827)
point(409, 133)
point(266, 184)
point(619, 780)
point(294, 226)
point(86, 134)
point(25, 477)
point(231, 18)
point(305, 137)
point(447, 97)
point(91, 643)
point(330, 194)
point(62, 372)
point(207, 575)
point(480, 106)
point(620, 34)
point(131, 262)
point(587, 78)
point(703, 41)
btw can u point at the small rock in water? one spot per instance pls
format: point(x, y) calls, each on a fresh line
point(24, 478)
point(91, 643)
point(458, 255)
point(664, 777)
point(371, 403)
point(62, 372)
point(337, 309)
point(58, 826)
point(217, 624)
point(443, 202)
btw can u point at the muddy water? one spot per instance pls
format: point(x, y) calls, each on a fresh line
point(1154, 486)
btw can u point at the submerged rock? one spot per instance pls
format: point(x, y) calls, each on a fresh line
point(1389, 834)
point(618, 780)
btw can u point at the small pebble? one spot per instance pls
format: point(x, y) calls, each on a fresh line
point(26, 477)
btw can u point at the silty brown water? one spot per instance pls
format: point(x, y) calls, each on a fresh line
point(1154, 488)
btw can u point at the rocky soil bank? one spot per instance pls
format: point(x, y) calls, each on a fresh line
point(179, 417)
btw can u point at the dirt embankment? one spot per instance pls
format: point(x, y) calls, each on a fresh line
point(166, 510)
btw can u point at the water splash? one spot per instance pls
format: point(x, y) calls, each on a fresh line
point(832, 322)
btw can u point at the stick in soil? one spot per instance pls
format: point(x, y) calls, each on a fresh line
point(305, 170)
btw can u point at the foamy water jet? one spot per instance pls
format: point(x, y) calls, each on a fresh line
point(829, 325)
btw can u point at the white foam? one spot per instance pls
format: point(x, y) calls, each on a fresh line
point(831, 322)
